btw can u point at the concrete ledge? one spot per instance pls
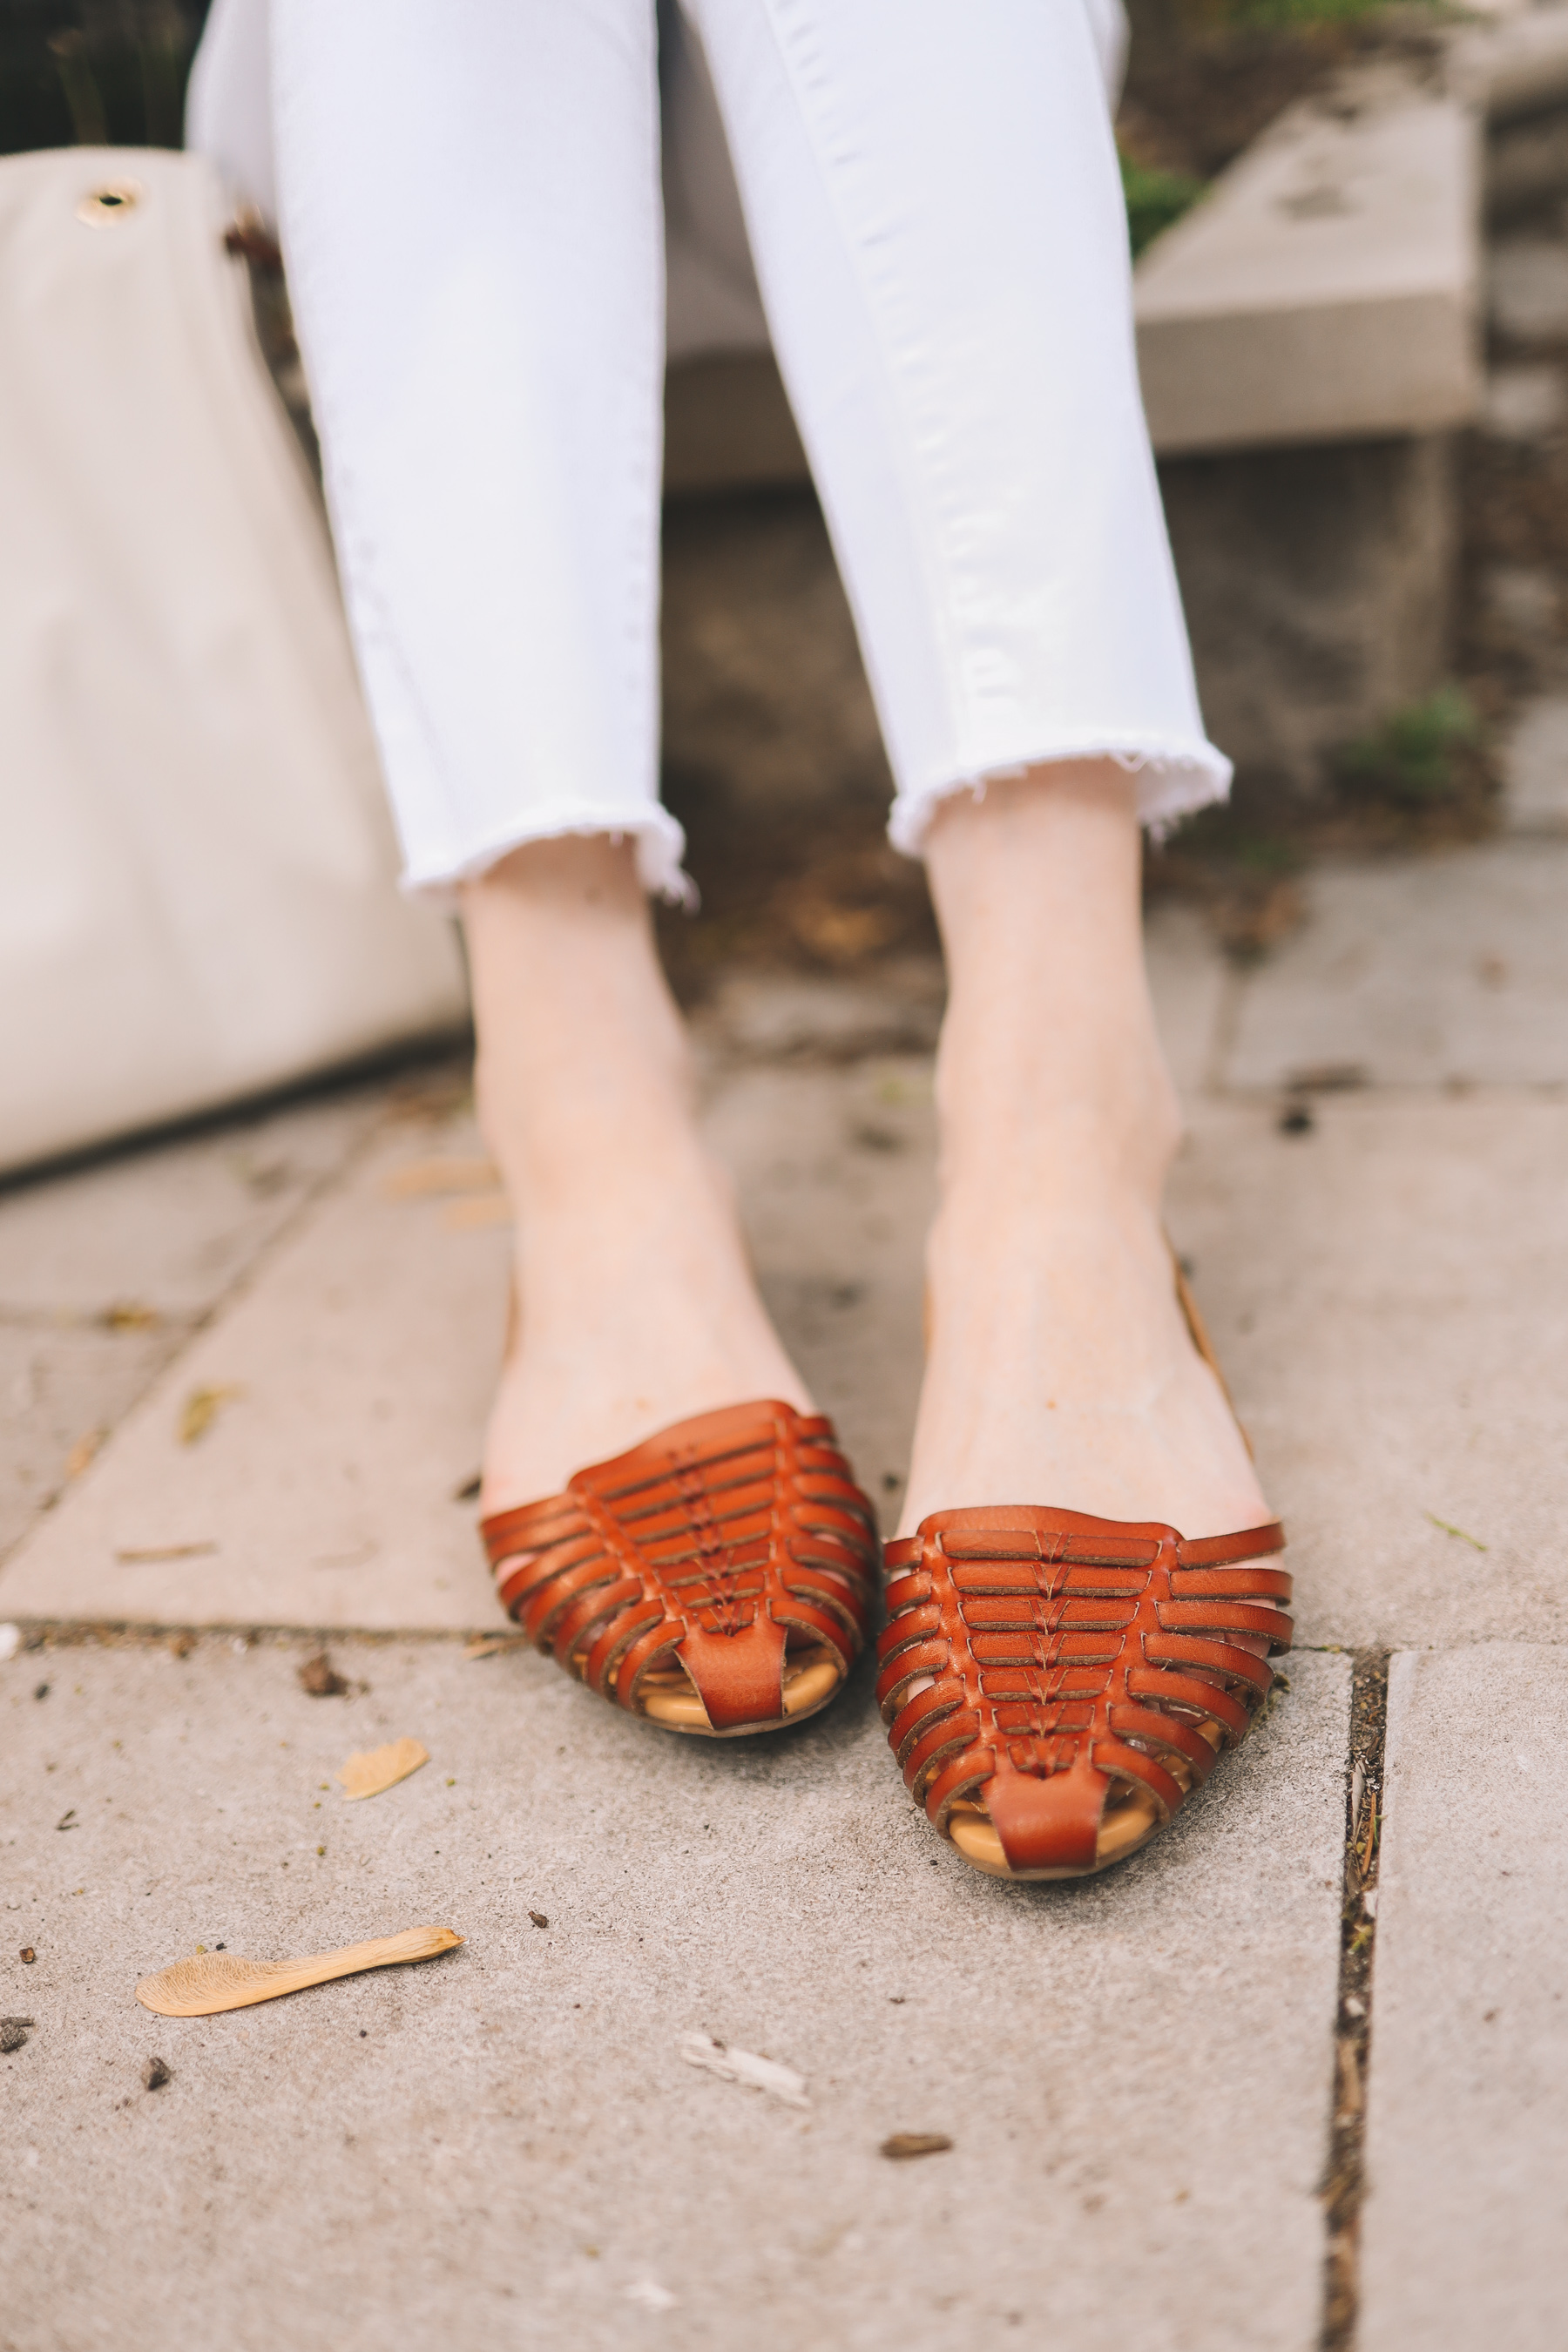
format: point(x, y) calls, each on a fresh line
point(1327, 288)
point(1513, 68)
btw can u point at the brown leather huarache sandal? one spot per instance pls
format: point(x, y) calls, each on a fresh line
point(1055, 1684)
point(716, 1579)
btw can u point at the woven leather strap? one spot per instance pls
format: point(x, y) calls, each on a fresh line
point(1034, 1661)
point(713, 1542)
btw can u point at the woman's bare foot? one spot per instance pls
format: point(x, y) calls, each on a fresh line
point(1061, 1369)
point(635, 1303)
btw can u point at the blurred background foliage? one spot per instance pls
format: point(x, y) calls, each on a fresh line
point(91, 73)
point(1230, 16)
point(1154, 198)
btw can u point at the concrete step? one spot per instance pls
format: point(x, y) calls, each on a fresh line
point(1326, 286)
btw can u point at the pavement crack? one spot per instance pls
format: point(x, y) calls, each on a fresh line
point(1344, 2173)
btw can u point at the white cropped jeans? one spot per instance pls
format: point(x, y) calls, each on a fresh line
point(470, 196)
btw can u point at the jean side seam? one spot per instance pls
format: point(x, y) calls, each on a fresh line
point(895, 379)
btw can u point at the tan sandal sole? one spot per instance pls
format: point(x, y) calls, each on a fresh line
point(1121, 1833)
point(669, 1700)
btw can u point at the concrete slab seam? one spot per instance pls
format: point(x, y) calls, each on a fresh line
point(1344, 2172)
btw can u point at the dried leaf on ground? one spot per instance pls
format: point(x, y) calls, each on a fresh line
point(320, 1679)
point(744, 2066)
point(539, 1918)
point(14, 2031)
point(470, 1217)
point(129, 1315)
point(1253, 917)
point(155, 2073)
point(144, 1555)
point(904, 2145)
point(368, 1773)
point(1350, 2095)
point(215, 1982)
point(491, 1645)
point(82, 1452)
point(419, 1179)
point(201, 1409)
point(1465, 1536)
point(1329, 1078)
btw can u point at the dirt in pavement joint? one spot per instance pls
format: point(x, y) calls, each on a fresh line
point(1344, 2178)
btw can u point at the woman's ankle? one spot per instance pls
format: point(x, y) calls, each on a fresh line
point(583, 1063)
point(1050, 1075)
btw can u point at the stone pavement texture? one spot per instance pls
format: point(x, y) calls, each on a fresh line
point(1467, 2142)
point(501, 2147)
point(505, 2147)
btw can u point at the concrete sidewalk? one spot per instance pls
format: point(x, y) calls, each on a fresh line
point(1151, 2081)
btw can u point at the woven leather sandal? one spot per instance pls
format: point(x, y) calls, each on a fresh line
point(718, 1579)
point(1054, 1684)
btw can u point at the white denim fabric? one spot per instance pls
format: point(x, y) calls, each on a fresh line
point(470, 200)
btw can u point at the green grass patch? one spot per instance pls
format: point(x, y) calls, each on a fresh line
point(1419, 757)
point(1154, 199)
point(1280, 15)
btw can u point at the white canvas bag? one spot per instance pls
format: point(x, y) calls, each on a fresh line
point(197, 870)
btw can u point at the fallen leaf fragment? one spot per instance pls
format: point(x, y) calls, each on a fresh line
point(14, 2031)
point(539, 1918)
point(375, 1768)
point(1349, 2093)
point(902, 2146)
point(82, 1452)
point(318, 1677)
point(202, 1988)
point(419, 1179)
point(491, 1645)
point(155, 2073)
point(143, 1555)
point(1329, 1078)
point(470, 1217)
point(744, 2066)
point(129, 1315)
point(200, 1410)
point(1464, 1534)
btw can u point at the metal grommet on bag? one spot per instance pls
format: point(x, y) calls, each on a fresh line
point(114, 201)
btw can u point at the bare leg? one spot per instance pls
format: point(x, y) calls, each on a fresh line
point(635, 1304)
point(1061, 1369)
